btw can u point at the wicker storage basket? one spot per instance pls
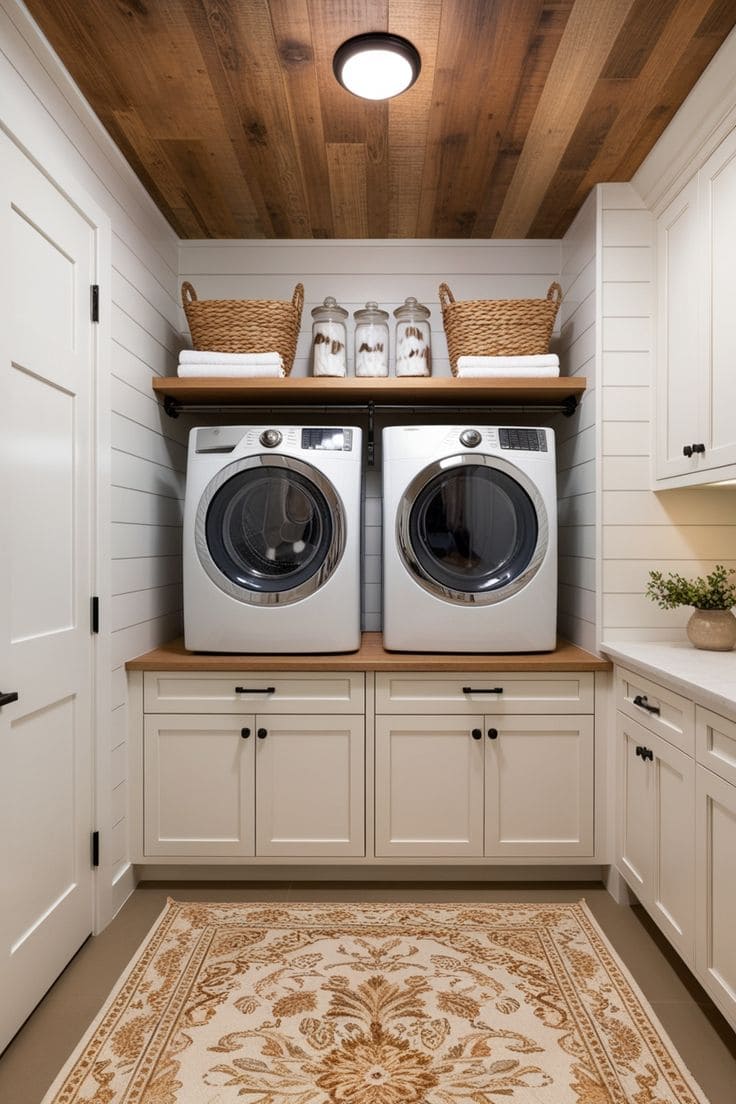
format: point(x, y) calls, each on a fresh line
point(498, 327)
point(245, 325)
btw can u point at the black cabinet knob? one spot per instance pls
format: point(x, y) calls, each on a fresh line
point(639, 750)
point(687, 450)
point(699, 448)
point(477, 734)
point(647, 753)
point(262, 733)
point(10, 696)
point(492, 733)
point(244, 733)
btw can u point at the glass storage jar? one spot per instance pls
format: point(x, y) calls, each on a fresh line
point(413, 341)
point(329, 339)
point(371, 341)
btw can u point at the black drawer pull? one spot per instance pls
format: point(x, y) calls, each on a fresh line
point(641, 701)
point(262, 733)
point(492, 733)
point(255, 689)
point(482, 690)
point(11, 696)
point(477, 734)
point(244, 733)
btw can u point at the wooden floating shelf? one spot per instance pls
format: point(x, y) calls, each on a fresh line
point(178, 394)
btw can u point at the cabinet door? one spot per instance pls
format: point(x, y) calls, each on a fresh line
point(538, 786)
point(310, 785)
point(680, 357)
point(717, 197)
point(198, 785)
point(429, 786)
point(635, 827)
point(672, 893)
point(715, 949)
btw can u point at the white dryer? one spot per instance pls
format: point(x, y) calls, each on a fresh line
point(272, 539)
point(469, 539)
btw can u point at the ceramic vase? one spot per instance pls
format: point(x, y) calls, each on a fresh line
point(713, 630)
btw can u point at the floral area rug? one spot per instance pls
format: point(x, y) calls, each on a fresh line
point(375, 1004)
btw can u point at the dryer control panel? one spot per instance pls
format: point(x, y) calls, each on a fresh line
point(331, 439)
point(527, 440)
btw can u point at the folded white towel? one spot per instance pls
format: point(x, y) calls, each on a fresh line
point(196, 356)
point(482, 371)
point(230, 371)
point(543, 360)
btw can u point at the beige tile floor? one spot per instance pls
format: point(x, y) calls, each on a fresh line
point(702, 1036)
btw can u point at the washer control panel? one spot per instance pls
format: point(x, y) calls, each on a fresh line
point(331, 439)
point(521, 438)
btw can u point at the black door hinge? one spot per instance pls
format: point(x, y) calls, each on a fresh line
point(95, 848)
point(94, 614)
point(95, 302)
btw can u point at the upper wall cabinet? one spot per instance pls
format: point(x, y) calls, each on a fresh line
point(696, 377)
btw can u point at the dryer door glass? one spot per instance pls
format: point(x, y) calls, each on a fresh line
point(473, 529)
point(269, 529)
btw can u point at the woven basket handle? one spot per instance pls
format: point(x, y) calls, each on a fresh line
point(188, 294)
point(297, 298)
point(554, 293)
point(446, 296)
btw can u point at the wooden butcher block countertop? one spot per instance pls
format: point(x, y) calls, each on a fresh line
point(371, 656)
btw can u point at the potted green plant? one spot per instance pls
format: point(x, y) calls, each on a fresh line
point(712, 625)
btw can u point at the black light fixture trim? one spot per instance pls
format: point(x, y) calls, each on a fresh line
point(379, 40)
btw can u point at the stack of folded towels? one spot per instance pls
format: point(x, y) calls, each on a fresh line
point(193, 362)
point(508, 367)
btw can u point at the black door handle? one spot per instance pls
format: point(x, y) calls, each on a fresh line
point(262, 733)
point(245, 733)
point(6, 699)
point(255, 690)
point(641, 701)
point(477, 734)
point(482, 690)
point(492, 733)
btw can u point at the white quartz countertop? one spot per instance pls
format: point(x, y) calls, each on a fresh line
point(708, 678)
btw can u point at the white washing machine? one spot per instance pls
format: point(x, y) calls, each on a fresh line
point(469, 539)
point(272, 539)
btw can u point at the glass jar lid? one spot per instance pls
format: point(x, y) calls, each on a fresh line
point(329, 310)
point(410, 310)
point(371, 313)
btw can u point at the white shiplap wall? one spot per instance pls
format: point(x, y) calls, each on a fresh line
point(686, 530)
point(577, 437)
point(384, 271)
point(43, 110)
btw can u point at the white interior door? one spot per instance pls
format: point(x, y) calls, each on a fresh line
point(46, 395)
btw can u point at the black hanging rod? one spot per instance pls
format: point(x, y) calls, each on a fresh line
point(174, 408)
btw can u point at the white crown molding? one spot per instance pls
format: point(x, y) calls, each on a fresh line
point(701, 123)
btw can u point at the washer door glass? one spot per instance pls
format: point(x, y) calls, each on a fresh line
point(472, 533)
point(271, 531)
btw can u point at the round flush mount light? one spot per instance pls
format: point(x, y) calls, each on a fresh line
point(376, 66)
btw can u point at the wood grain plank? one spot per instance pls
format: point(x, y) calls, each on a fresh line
point(346, 163)
point(589, 36)
point(370, 657)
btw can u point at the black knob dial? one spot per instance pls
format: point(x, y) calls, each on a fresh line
point(477, 734)
point(492, 733)
point(262, 733)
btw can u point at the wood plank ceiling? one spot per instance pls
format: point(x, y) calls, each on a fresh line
point(229, 113)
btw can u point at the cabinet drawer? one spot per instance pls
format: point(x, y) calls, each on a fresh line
point(715, 741)
point(660, 710)
point(253, 692)
point(533, 692)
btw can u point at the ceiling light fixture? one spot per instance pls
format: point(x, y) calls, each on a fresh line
point(376, 66)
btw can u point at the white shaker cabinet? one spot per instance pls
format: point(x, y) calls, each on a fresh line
point(656, 837)
point(696, 273)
